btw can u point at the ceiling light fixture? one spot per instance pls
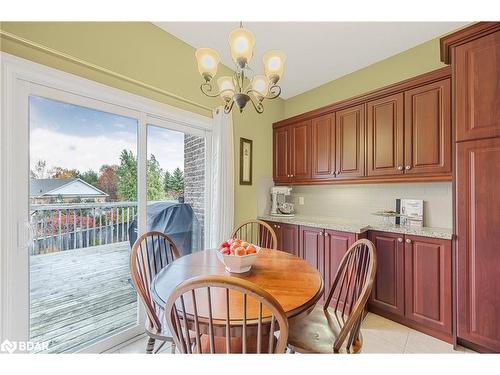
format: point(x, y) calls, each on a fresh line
point(244, 86)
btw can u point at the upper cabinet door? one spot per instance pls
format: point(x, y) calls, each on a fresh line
point(281, 154)
point(477, 88)
point(323, 147)
point(428, 129)
point(301, 150)
point(385, 136)
point(350, 125)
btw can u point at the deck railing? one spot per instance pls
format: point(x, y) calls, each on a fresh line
point(66, 226)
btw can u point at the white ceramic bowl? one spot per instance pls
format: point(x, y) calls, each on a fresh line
point(238, 264)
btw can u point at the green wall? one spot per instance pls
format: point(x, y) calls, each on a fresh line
point(144, 52)
point(418, 60)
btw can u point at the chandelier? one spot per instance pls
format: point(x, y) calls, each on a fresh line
point(244, 86)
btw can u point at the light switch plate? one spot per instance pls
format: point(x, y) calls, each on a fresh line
point(300, 201)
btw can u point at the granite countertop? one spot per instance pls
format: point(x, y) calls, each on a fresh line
point(355, 226)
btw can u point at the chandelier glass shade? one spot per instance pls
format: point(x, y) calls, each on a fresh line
point(244, 86)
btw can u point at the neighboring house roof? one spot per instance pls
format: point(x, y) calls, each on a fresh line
point(66, 187)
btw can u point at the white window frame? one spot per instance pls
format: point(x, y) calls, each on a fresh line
point(19, 79)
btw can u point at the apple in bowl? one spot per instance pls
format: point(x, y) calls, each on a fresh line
point(237, 256)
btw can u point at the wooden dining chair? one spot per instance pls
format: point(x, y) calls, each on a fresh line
point(256, 232)
point(336, 329)
point(228, 315)
point(150, 253)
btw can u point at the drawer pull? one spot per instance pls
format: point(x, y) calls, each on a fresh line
point(408, 240)
point(400, 239)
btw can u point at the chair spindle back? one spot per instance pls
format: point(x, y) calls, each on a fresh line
point(351, 289)
point(199, 294)
point(257, 232)
point(150, 253)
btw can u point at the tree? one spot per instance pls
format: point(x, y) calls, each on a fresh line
point(59, 172)
point(40, 170)
point(127, 176)
point(90, 177)
point(167, 184)
point(177, 183)
point(108, 181)
point(155, 190)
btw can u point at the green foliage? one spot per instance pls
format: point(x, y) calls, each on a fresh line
point(177, 183)
point(154, 177)
point(127, 176)
point(90, 177)
point(167, 185)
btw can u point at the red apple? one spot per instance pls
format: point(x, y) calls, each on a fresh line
point(223, 245)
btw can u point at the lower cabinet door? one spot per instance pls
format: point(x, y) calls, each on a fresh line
point(428, 299)
point(289, 239)
point(312, 248)
point(336, 245)
point(277, 230)
point(388, 289)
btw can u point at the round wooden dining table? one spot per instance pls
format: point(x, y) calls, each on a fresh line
point(295, 284)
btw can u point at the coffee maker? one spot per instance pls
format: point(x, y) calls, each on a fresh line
point(279, 205)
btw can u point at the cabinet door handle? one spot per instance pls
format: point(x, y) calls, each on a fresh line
point(400, 167)
point(408, 167)
point(408, 240)
point(337, 173)
point(326, 234)
point(400, 239)
point(279, 227)
point(320, 233)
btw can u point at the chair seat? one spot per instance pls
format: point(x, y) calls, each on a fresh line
point(317, 332)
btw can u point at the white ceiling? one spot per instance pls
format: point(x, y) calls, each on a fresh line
point(317, 52)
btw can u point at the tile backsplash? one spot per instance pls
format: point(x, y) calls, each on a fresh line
point(360, 201)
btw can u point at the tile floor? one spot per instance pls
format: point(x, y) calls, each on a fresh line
point(380, 335)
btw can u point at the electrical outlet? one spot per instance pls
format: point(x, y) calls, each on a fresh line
point(300, 201)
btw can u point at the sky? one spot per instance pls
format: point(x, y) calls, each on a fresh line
point(75, 137)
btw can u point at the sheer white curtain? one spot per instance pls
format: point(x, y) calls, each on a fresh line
point(222, 212)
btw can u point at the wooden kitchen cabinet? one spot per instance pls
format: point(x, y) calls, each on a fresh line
point(427, 126)
point(323, 147)
point(292, 152)
point(350, 142)
point(388, 288)
point(385, 147)
point(289, 239)
point(476, 77)
point(300, 151)
point(312, 247)
point(398, 133)
point(336, 245)
point(413, 283)
point(281, 154)
point(478, 242)
point(287, 236)
point(428, 283)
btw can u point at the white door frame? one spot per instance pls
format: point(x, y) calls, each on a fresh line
point(19, 79)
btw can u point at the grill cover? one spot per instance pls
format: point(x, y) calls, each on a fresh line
point(177, 220)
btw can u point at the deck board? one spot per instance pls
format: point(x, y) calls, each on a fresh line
point(79, 296)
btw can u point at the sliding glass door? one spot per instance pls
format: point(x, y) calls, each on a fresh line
point(83, 197)
point(176, 174)
point(92, 169)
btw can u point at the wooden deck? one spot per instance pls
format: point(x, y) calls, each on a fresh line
point(80, 296)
